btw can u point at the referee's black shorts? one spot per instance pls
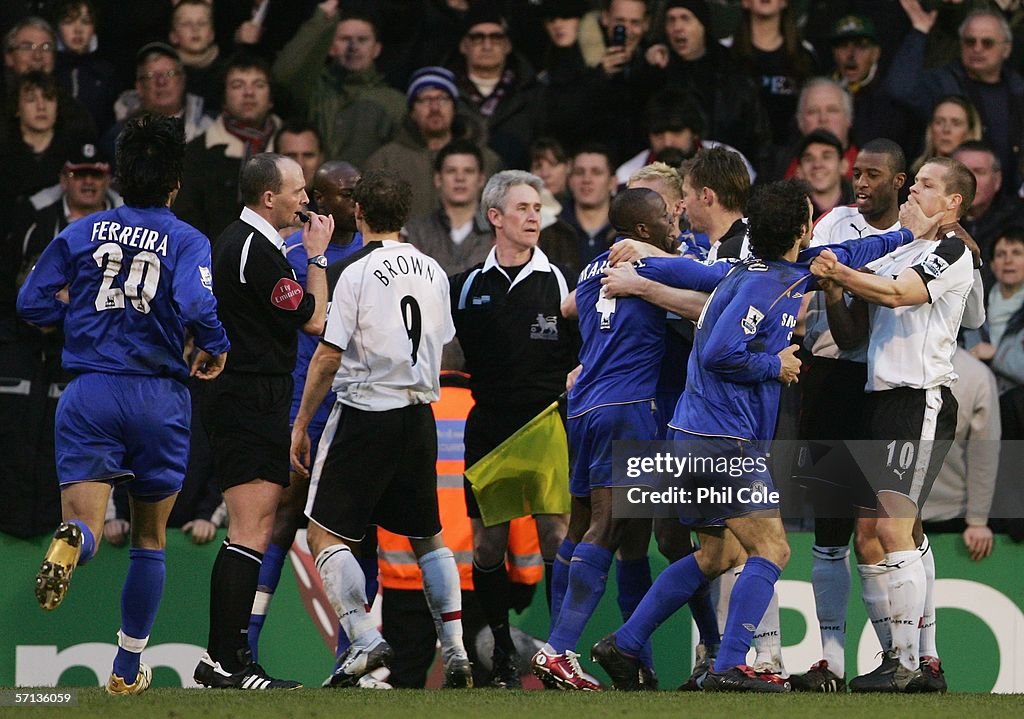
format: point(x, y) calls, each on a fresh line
point(911, 431)
point(486, 428)
point(380, 469)
point(246, 416)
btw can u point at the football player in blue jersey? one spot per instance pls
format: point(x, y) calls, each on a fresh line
point(129, 285)
point(613, 399)
point(742, 357)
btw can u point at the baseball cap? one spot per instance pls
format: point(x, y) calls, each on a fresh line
point(156, 48)
point(851, 27)
point(819, 137)
point(86, 157)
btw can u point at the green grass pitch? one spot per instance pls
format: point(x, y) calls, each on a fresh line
point(494, 704)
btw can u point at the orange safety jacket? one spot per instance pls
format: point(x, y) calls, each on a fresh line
point(398, 566)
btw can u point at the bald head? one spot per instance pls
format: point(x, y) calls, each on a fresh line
point(332, 190)
point(639, 213)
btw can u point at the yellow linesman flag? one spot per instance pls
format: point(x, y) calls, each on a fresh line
point(526, 474)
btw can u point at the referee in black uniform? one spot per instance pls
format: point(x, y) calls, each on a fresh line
point(518, 350)
point(261, 305)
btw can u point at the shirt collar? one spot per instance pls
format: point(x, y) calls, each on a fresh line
point(538, 263)
point(250, 217)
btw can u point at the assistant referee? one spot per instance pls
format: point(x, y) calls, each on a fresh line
point(261, 305)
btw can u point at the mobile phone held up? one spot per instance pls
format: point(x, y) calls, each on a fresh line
point(618, 36)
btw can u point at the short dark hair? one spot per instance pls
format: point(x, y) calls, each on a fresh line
point(980, 146)
point(959, 180)
point(243, 60)
point(540, 147)
point(595, 148)
point(260, 173)
point(777, 215)
point(631, 207)
point(723, 171)
point(885, 146)
point(1014, 233)
point(363, 15)
point(32, 79)
point(297, 126)
point(150, 158)
point(72, 10)
point(459, 146)
point(673, 110)
point(385, 200)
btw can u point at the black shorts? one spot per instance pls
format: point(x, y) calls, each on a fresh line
point(833, 410)
point(380, 469)
point(486, 428)
point(911, 432)
point(246, 416)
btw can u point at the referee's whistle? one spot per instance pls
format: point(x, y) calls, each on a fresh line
point(303, 217)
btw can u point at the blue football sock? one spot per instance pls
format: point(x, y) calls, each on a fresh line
point(588, 575)
point(88, 541)
point(560, 577)
point(140, 598)
point(747, 604)
point(633, 577)
point(704, 616)
point(270, 575)
point(670, 591)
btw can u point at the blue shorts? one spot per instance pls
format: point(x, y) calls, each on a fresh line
point(728, 478)
point(133, 428)
point(591, 436)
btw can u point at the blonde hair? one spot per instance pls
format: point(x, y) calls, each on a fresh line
point(973, 129)
point(667, 174)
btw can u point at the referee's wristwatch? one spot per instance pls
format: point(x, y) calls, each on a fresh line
point(318, 260)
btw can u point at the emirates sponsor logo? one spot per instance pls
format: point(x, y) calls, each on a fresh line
point(287, 294)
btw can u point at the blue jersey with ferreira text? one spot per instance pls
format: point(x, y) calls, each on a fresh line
point(731, 388)
point(138, 279)
point(624, 337)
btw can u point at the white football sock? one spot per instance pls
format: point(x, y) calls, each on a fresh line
point(721, 590)
point(874, 590)
point(928, 647)
point(345, 586)
point(907, 583)
point(441, 588)
point(767, 639)
point(830, 578)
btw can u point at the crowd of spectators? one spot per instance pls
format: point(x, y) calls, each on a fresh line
point(447, 92)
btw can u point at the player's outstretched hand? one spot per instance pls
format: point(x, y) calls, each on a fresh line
point(978, 541)
point(790, 372)
point(116, 531)
point(631, 251)
point(300, 451)
point(913, 218)
point(317, 234)
point(207, 366)
point(964, 236)
point(202, 530)
point(826, 265)
point(621, 281)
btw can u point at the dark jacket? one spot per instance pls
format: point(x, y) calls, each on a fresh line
point(409, 155)
point(729, 99)
point(919, 90)
point(514, 122)
point(209, 199)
